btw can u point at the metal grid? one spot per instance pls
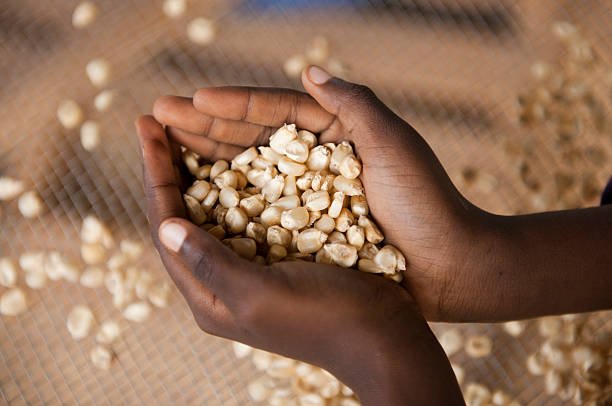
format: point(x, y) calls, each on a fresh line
point(451, 67)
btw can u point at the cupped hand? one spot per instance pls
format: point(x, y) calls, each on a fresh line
point(363, 328)
point(409, 193)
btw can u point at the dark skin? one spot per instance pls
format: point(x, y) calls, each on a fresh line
point(464, 264)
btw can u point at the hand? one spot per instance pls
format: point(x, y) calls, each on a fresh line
point(409, 193)
point(361, 327)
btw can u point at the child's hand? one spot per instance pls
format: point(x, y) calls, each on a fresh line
point(409, 194)
point(361, 327)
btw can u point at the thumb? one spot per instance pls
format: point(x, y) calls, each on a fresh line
point(212, 263)
point(353, 104)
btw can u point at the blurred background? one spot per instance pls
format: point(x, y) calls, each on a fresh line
point(515, 104)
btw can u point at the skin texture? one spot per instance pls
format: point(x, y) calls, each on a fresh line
point(463, 264)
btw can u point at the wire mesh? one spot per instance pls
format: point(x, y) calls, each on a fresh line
point(452, 68)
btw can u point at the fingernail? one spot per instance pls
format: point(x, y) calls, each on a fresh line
point(172, 236)
point(318, 75)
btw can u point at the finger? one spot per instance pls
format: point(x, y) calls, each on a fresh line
point(179, 112)
point(263, 106)
point(214, 265)
point(208, 148)
point(356, 106)
point(164, 200)
point(162, 187)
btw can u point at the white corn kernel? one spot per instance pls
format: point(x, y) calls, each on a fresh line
point(236, 220)
point(90, 135)
point(386, 259)
point(318, 50)
point(258, 390)
point(174, 8)
point(270, 155)
point(337, 204)
point(199, 190)
point(552, 382)
point(325, 224)
point(137, 311)
point(92, 277)
point(282, 137)
point(271, 216)
point(69, 114)
point(342, 254)
point(372, 232)
point(217, 231)
point(211, 199)
point(536, 365)
point(368, 265)
point(478, 346)
point(244, 247)
point(287, 202)
point(132, 249)
point(310, 241)
point(500, 398)
point(94, 231)
point(276, 253)
point(273, 189)
point(279, 235)
point(319, 158)
point(228, 178)
point(101, 357)
point(13, 302)
point(368, 251)
point(10, 188)
point(261, 177)
point(359, 206)
point(228, 197)
point(256, 231)
point(36, 279)
point(261, 163)
point(514, 328)
point(451, 341)
point(339, 154)
point(318, 201)
point(395, 277)
point(29, 204)
point(309, 138)
point(98, 71)
point(104, 100)
point(201, 31)
point(117, 261)
point(313, 216)
point(158, 294)
point(549, 326)
point(290, 188)
point(323, 257)
point(253, 205)
point(355, 236)
point(241, 350)
point(297, 150)
point(290, 167)
point(476, 394)
point(323, 181)
point(202, 172)
point(350, 187)
point(294, 65)
point(218, 168)
point(8, 272)
point(350, 168)
point(84, 14)
point(336, 236)
point(304, 182)
point(108, 332)
point(29, 261)
point(93, 254)
point(79, 322)
point(195, 211)
point(190, 159)
point(245, 157)
point(295, 219)
point(344, 220)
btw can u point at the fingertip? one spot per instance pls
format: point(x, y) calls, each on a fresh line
point(172, 234)
point(316, 75)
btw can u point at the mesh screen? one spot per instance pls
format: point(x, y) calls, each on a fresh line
point(452, 68)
